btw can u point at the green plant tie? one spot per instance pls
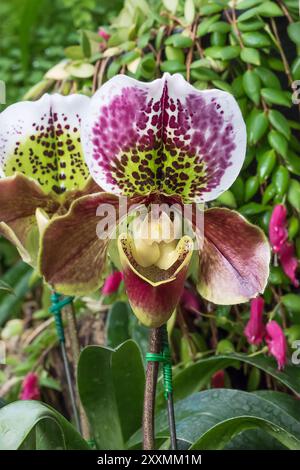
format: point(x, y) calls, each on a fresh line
point(163, 357)
point(57, 303)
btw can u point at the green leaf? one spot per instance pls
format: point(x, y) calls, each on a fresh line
point(296, 69)
point(251, 84)
point(246, 4)
point(74, 52)
point(281, 180)
point(111, 387)
point(292, 162)
point(252, 25)
point(266, 165)
point(278, 97)
point(223, 53)
point(189, 11)
point(238, 189)
point(117, 326)
point(171, 5)
point(250, 56)
point(227, 199)
point(196, 376)
point(252, 208)
point(292, 302)
point(178, 40)
point(255, 39)
point(278, 142)
point(52, 429)
point(203, 73)
point(85, 45)
point(268, 78)
point(172, 66)
point(269, 193)
point(257, 126)
point(280, 123)
point(218, 415)
point(218, 436)
point(205, 24)
point(269, 9)
point(294, 32)
point(251, 187)
point(81, 69)
point(219, 27)
point(18, 278)
point(175, 53)
point(294, 194)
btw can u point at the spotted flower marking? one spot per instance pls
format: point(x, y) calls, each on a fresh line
point(164, 137)
point(44, 143)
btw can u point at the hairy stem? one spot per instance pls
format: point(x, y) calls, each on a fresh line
point(150, 390)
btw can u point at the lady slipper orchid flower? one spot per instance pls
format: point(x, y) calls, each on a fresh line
point(255, 328)
point(41, 166)
point(30, 387)
point(276, 342)
point(167, 142)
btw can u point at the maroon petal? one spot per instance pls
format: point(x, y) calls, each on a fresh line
point(234, 261)
point(19, 200)
point(73, 257)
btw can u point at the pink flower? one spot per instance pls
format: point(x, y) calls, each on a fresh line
point(276, 342)
point(289, 262)
point(112, 283)
point(189, 301)
point(278, 227)
point(217, 380)
point(255, 328)
point(30, 387)
point(104, 34)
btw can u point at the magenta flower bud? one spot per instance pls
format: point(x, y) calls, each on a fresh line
point(278, 233)
point(289, 262)
point(276, 342)
point(103, 34)
point(112, 283)
point(30, 387)
point(255, 328)
point(218, 379)
point(189, 301)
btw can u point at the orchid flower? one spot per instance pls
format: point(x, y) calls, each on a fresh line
point(41, 166)
point(162, 141)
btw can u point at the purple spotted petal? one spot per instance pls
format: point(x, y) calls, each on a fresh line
point(41, 139)
point(163, 136)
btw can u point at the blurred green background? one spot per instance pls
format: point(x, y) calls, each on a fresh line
point(34, 34)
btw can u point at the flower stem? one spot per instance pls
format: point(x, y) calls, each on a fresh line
point(150, 390)
point(70, 316)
